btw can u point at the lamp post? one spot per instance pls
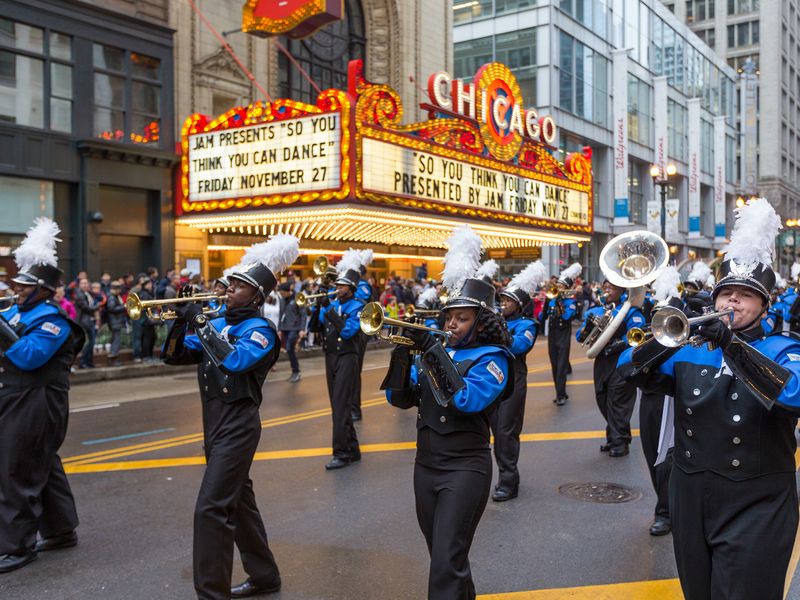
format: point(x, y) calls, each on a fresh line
point(661, 180)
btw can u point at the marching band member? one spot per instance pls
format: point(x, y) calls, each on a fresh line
point(651, 410)
point(234, 353)
point(733, 494)
point(615, 397)
point(558, 313)
point(364, 295)
point(452, 389)
point(38, 343)
point(339, 319)
point(506, 417)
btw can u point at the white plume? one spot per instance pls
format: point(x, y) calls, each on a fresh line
point(700, 273)
point(366, 257)
point(277, 254)
point(230, 271)
point(754, 233)
point(487, 269)
point(39, 245)
point(462, 258)
point(711, 281)
point(428, 297)
point(529, 278)
point(351, 260)
point(666, 285)
point(795, 270)
point(571, 271)
point(780, 282)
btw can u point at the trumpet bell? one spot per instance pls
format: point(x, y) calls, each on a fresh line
point(634, 259)
point(670, 327)
point(12, 300)
point(133, 306)
point(635, 336)
point(320, 266)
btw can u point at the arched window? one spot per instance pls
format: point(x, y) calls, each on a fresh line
point(324, 56)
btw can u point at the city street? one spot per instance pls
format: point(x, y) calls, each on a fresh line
point(133, 454)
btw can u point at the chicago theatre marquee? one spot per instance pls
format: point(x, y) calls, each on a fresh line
point(346, 171)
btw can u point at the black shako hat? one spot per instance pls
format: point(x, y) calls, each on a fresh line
point(259, 276)
point(756, 276)
point(44, 275)
point(475, 293)
point(520, 297)
point(350, 277)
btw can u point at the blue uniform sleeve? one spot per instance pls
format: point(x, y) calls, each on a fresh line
point(41, 341)
point(352, 325)
point(523, 340)
point(569, 309)
point(789, 358)
point(9, 314)
point(364, 292)
point(253, 346)
point(192, 343)
point(485, 381)
point(634, 318)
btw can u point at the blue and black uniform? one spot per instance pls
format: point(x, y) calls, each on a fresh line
point(38, 344)
point(234, 353)
point(341, 343)
point(559, 313)
point(453, 466)
point(363, 294)
point(733, 494)
point(772, 322)
point(615, 397)
point(507, 416)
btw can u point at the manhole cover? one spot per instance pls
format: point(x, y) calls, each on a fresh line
point(604, 493)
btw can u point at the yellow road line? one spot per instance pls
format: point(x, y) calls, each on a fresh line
point(660, 589)
point(158, 463)
point(550, 383)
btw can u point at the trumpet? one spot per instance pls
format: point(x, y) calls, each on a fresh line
point(302, 299)
point(320, 266)
point(637, 335)
point(412, 311)
point(136, 307)
point(11, 299)
point(372, 321)
point(554, 291)
point(671, 327)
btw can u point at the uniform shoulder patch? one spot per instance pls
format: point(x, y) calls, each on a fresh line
point(529, 335)
point(51, 328)
point(637, 319)
point(792, 356)
point(496, 371)
point(260, 338)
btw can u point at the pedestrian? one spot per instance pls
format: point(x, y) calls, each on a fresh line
point(339, 321)
point(86, 307)
point(234, 353)
point(453, 388)
point(292, 327)
point(559, 312)
point(38, 343)
point(733, 489)
point(506, 418)
point(64, 304)
point(117, 318)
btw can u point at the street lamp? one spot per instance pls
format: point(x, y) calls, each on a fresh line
point(661, 180)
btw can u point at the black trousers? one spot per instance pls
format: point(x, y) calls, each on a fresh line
point(449, 507)
point(650, 409)
point(34, 491)
point(733, 539)
point(505, 420)
point(362, 350)
point(558, 342)
point(616, 399)
point(226, 510)
point(341, 372)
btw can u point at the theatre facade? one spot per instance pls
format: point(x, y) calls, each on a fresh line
point(349, 171)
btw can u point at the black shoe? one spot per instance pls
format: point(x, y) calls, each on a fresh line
point(12, 562)
point(561, 401)
point(605, 448)
point(355, 416)
point(57, 542)
point(294, 378)
point(248, 588)
point(339, 462)
point(660, 526)
point(502, 495)
point(617, 451)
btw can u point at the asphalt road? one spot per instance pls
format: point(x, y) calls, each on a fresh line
point(134, 456)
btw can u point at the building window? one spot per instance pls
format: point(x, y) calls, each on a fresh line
point(640, 115)
point(706, 147)
point(743, 34)
point(699, 10)
point(736, 7)
point(583, 81)
point(324, 56)
point(594, 14)
point(35, 77)
point(504, 6)
point(467, 10)
point(517, 50)
point(471, 55)
point(677, 125)
point(636, 206)
point(127, 96)
point(730, 159)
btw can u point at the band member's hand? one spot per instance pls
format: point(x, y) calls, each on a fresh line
point(676, 302)
point(185, 291)
point(324, 301)
point(716, 332)
point(423, 340)
point(697, 305)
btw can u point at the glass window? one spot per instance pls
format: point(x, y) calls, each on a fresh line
point(21, 37)
point(60, 45)
point(145, 98)
point(517, 49)
point(583, 81)
point(106, 57)
point(501, 6)
point(471, 55)
point(109, 90)
point(145, 66)
point(21, 89)
point(109, 124)
point(21, 201)
point(467, 10)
